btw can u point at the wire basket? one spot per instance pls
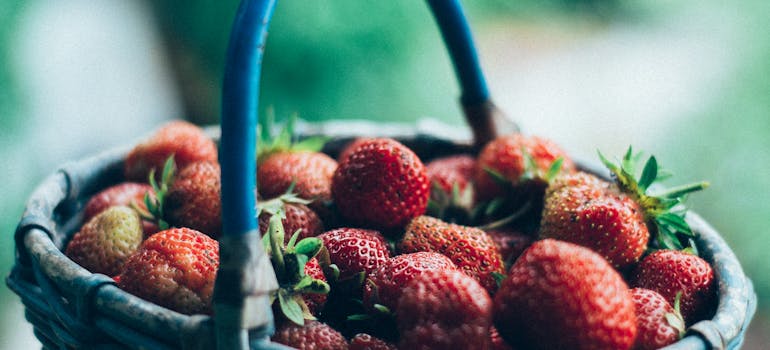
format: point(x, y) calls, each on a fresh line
point(71, 308)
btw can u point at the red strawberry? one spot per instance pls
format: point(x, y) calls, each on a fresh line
point(194, 199)
point(451, 171)
point(106, 240)
point(186, 142)
point(617, 219)
point(511, 243)
point(471, 249)
point(314, 301)
point(310, 171)
point(350, 147)
point(559, 295)
point(355, 250)
point(363, 341)
point(583, 209)
point(381, 184)
point(657, 322)
point(507, 156)
point(174, 268)
point(313, 335)
point(384, 285)
point(297, 217)
point(669, 272)
point(124, 193)
point(444, 309)
point(451, 195)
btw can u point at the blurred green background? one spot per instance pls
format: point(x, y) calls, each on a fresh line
point(688, 81)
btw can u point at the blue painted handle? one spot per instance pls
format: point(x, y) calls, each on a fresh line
point(240, 95)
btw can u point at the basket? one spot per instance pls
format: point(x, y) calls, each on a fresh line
point(71, 308)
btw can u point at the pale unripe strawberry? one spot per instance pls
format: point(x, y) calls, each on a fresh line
point(107, 240)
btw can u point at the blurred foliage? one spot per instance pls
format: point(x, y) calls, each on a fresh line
point(9, 95)
point(729, 144)
point(336, 58)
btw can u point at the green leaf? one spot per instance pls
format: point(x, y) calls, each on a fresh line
point(302, 260)
point(309, 246)
point(627, 163)
point(649, 174)
point(335, 272)
point(293, 240)
point(676, 222)
point(275, 231)
point(304, 282)
point(494, 205)
point(151, 180)
point(679, 191)
point(607, 163)
point(530, 167)
point(316, 286)
point(382, 309)
point(290, 308)
point(667, 238)
point(311, 144)
point(168, 172)
point(554, 169)
point(497, 177)
point(359, 317)
point(499, 278)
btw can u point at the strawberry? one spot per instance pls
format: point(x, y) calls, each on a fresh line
point(106, 240)
point(444, 309)
point(350, 147)
point(315, 301)
point(124, 193)
point(384, 285)
point(194, 199)
point(511, 243)
point(282, 163)
point(471, 249)
point(559, 295)
point(186, 142)
point(355, 251)
point(295, 215)
point(617, 220)
point(175, 269)
point(514, 159)
point(313, 335)
point(658, 323)
point(381, 184)
point(311, 173)
point(451, 171)
point(363, 341)
point(669, 272)
point(583, 209)
point(451, 196)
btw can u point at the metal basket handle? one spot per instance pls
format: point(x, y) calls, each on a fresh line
point(245, 277)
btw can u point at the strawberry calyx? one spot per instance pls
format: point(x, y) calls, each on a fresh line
point(285, 140)
point(456, 207)
point(675, 319)
point(276, 206)
point(289, 262)
point(154, 203)
point(664, 209)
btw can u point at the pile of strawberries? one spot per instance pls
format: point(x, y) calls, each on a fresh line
point(514, 248)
